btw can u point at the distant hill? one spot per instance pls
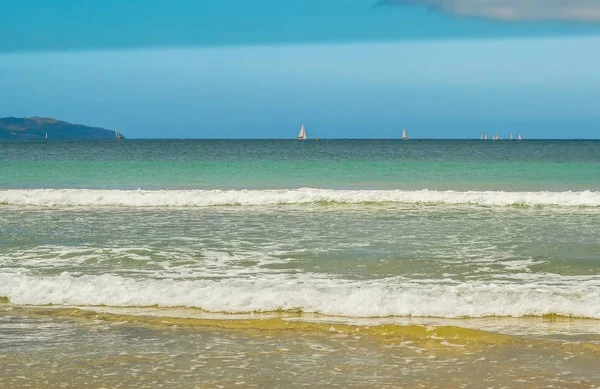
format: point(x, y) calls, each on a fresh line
point(37, 128)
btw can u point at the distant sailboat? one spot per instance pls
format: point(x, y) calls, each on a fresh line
point(519, 137)
point(301, 134)
point(481, 136)
point(46, 136)
point(485, 136)
point(404, 136)
point(511, 136)
point(117, 134)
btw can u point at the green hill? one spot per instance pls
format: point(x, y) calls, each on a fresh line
point(36, 128)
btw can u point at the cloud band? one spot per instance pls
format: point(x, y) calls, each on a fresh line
point(515, 10)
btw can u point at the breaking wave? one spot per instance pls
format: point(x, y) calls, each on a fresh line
point(203, 198)
point(569, 296)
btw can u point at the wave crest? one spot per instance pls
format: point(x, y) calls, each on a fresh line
point(204, 198)
point(572, 296)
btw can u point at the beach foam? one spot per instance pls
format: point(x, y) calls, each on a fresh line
point(569, 296)
point(203, 198)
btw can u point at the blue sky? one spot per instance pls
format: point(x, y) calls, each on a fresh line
point(238, 69)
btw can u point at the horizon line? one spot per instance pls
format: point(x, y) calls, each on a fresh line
point(312, 139)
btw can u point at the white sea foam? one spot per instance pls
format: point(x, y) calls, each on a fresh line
point(569, 296)
point(202, 198)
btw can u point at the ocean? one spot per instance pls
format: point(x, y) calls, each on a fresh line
point(276, 263)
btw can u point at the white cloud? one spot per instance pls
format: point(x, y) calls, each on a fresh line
point(515, 10)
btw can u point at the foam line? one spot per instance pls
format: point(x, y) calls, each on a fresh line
point(203, 198)
point(573, 296)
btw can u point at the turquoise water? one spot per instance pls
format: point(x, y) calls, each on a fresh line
point(227, 246)
point(336, 164)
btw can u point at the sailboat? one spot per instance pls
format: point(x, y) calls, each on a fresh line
point(519, 137)
point(404, 136)
point(511, 136)
point(46, 136)
point(301, 134)
point(117, 134)
point(485, 136)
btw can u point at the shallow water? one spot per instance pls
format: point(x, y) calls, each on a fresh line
point(355, 261)
point(58, 348)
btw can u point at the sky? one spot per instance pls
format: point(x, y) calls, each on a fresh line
point(344, 68)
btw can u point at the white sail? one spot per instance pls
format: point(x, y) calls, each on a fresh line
point(519, 137)
point(302, 134)
point(511, 136)
point(404, 136)
point(46, 136)
point(117, 135)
